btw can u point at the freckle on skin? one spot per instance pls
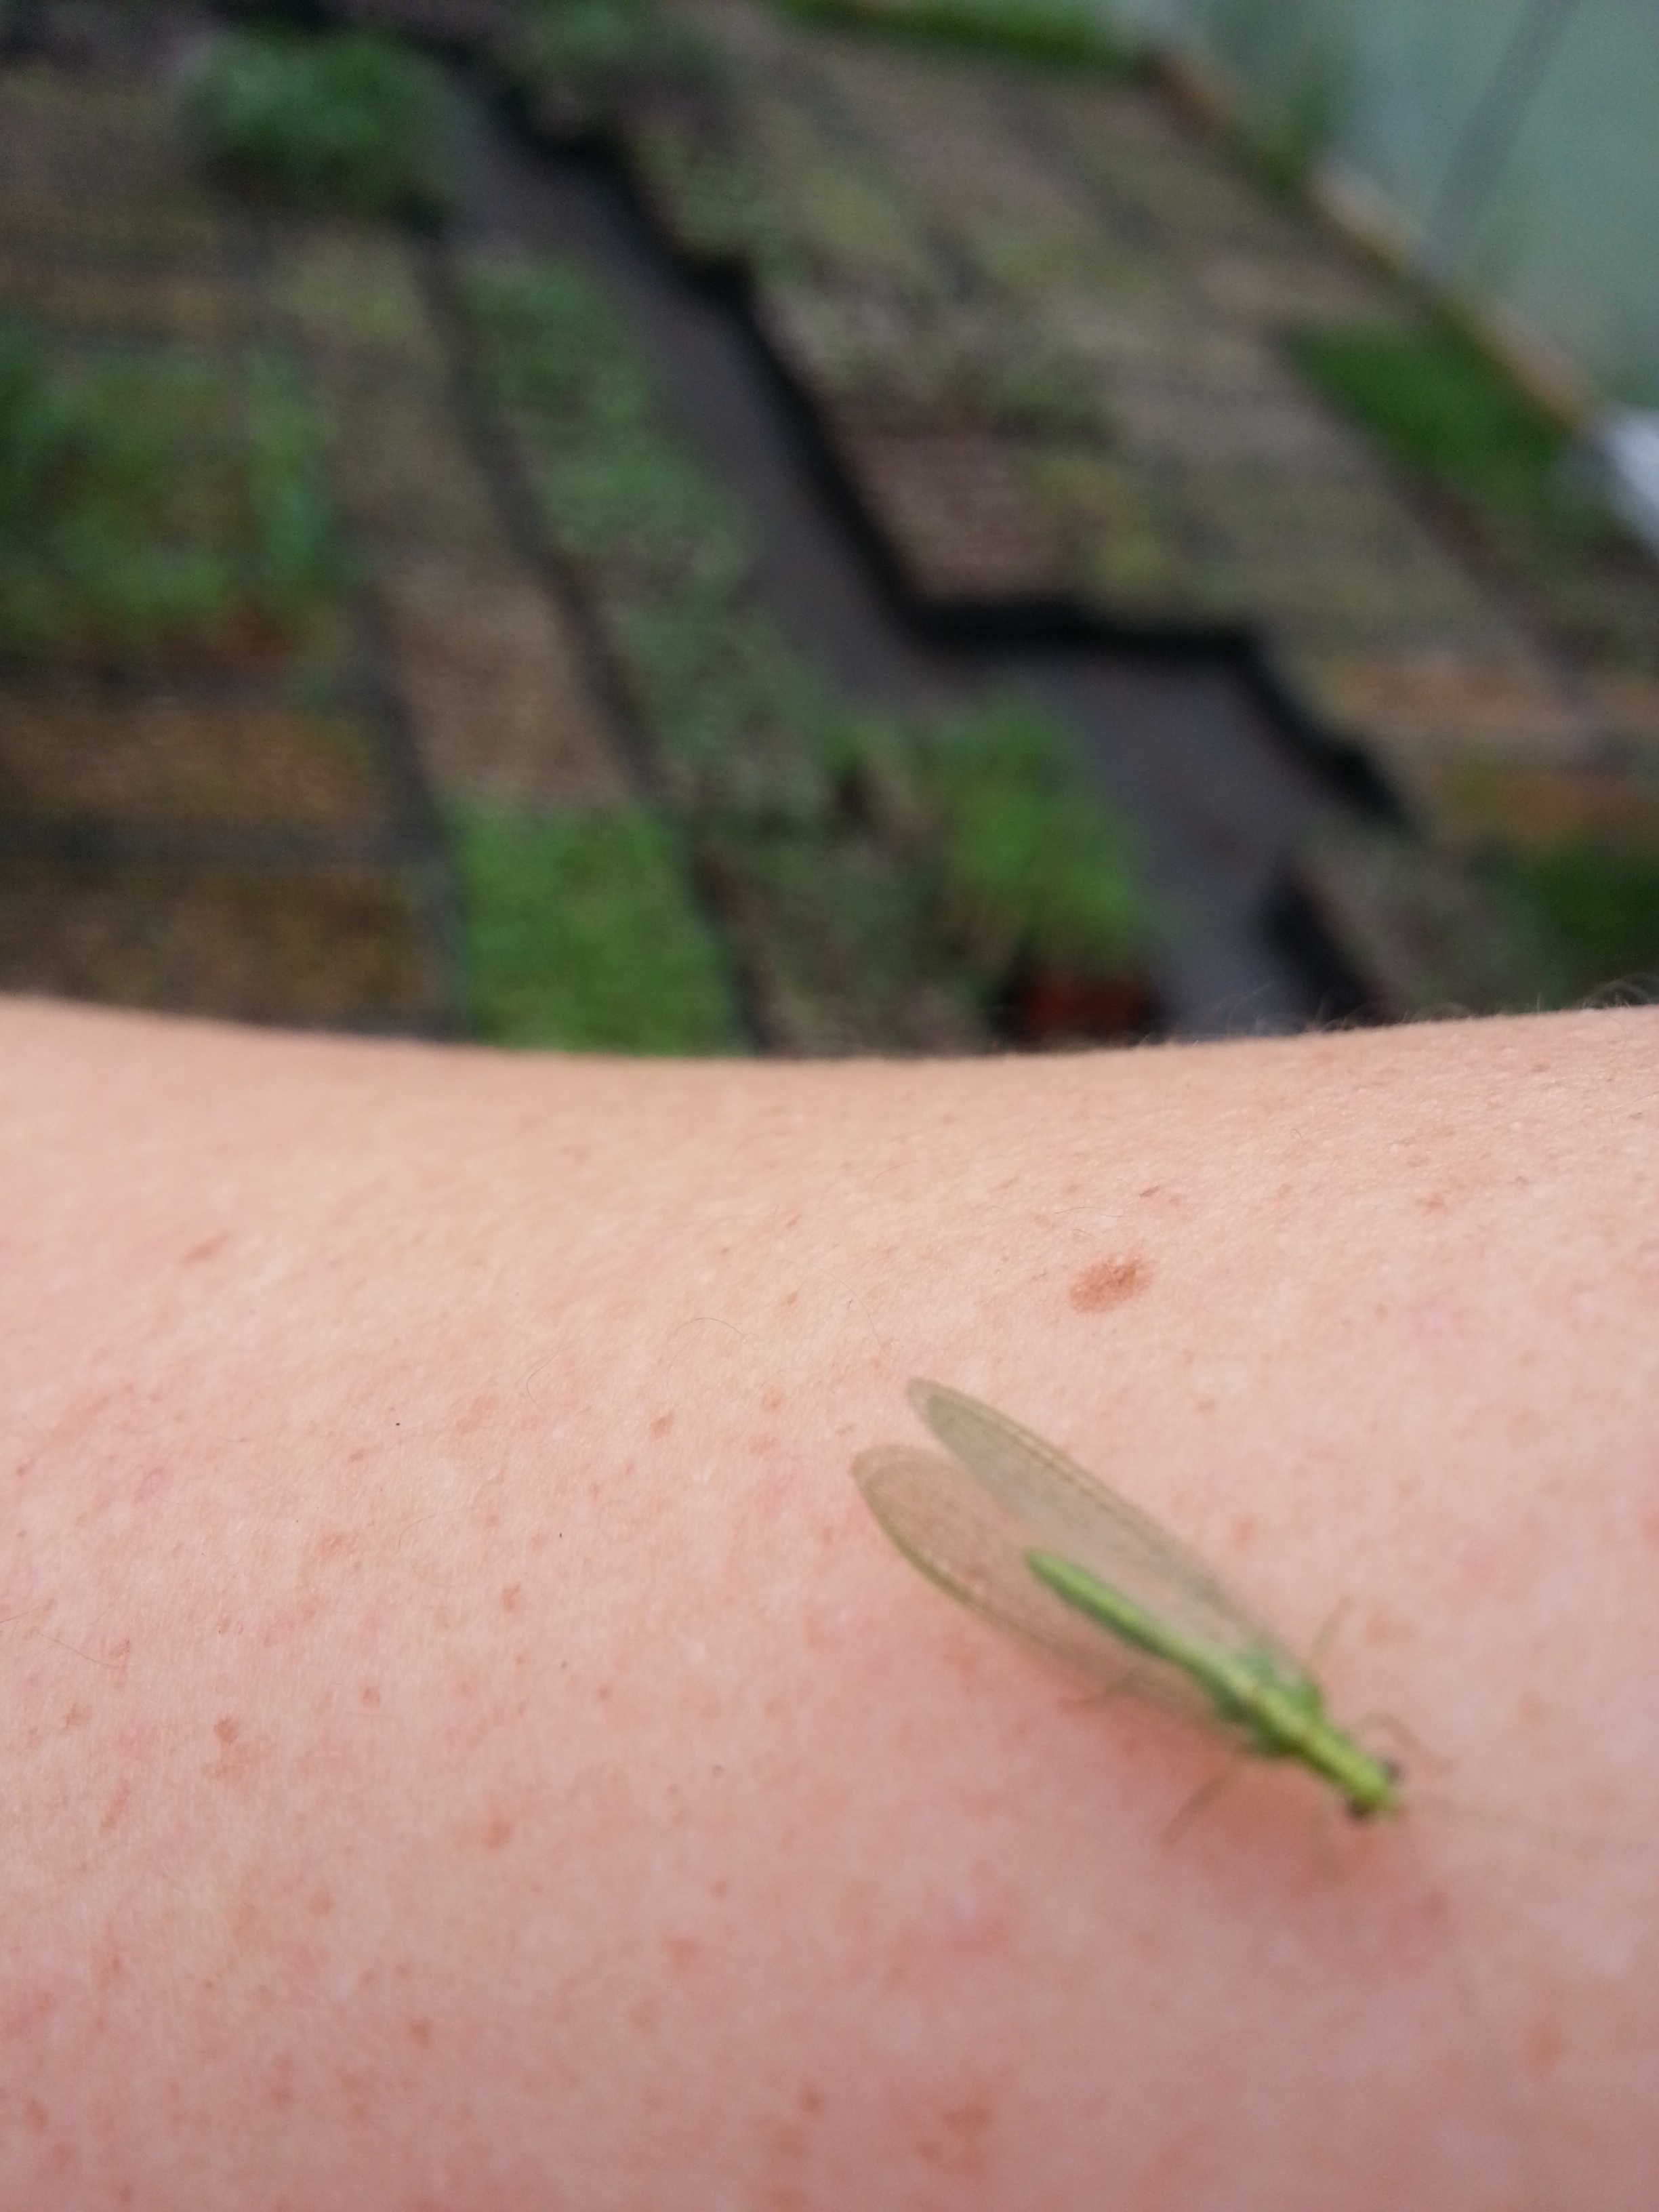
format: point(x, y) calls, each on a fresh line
point(369, 1696)
point(956, 2139)
point(1108, 1283)
point(511, 1597)
point(682, 1953)
point(787, 2143)
point(498, 1832)
point(662, 1425)
point(420, 2031)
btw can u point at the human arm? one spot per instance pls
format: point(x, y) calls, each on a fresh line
point(464, 1741)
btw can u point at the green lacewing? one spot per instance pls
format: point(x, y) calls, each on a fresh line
point(1023, 1536)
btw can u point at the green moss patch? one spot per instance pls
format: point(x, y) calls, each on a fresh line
point(880, 881)
point(707, 198)
point(1063, 34)
point(1444, 412)
point(155, 504)
point(1034, 870)
point(583, 933)
point(733, 714)
point(354, 122)
point(842, 942)
point(577, 59)
point(1598, 902)
point(1449, 419)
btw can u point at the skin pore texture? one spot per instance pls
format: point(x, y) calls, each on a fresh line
point(464, 1742)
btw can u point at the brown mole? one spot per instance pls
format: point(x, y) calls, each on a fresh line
point(1107, 1283)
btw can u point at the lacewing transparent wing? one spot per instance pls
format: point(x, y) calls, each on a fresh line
point(967, 1523)
point(1007, 1518)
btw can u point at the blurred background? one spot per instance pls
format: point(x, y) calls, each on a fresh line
point(1510, 147)
point(824, 526)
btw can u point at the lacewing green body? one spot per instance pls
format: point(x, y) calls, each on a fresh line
point(1022, 1535)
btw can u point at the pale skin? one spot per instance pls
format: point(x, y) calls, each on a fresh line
point(464, 1742)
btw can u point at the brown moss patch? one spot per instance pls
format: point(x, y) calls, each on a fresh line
point(320, 947)
point(358, 292)
point(75, 752)
point(192, 307)
point(958, 514)
point(403, 474)
point(98, 166)
point(493, 679)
